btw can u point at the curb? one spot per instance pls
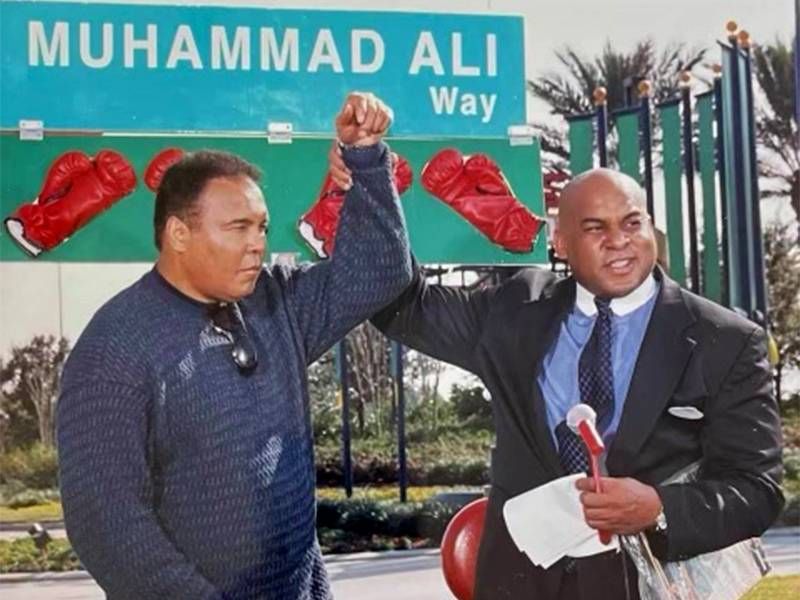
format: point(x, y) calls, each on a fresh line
point(11, 578)
point(25, 525)
point(791, 530)
point(386, 554)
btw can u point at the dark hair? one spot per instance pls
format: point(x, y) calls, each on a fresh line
point(185, 180)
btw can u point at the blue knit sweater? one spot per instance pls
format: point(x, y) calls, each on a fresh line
point(182, 478)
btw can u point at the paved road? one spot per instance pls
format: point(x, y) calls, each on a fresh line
point(783, 550)
point(389, 576)
point(12, 532)
point(417, 577)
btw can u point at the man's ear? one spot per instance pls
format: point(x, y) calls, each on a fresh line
point(559, 244)
point(177, 234)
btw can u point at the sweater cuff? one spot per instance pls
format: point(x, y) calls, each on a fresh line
point(360, 158)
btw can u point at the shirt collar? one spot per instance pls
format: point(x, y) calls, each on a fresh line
point(584, 299)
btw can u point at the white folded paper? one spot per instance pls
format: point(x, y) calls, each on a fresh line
point(546, 523)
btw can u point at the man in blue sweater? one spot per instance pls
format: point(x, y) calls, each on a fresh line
point(184, 432)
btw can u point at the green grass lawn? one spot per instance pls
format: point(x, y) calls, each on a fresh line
point(776, 588)
point(388, 493)
point(50, 511)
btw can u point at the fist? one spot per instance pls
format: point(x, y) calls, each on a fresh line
point(363, 119)
point(625, 505)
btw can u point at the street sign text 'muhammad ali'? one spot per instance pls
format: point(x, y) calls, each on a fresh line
point(205, 68)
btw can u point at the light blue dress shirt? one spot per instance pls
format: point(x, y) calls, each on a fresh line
point(558, 377)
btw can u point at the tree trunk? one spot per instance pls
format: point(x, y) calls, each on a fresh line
point(369, 374)
point(360, 416)
point(436, 401)
point(41, 391)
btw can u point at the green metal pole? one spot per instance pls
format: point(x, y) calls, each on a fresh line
point(671, 128)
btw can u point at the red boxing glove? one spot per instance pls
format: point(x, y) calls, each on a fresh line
point(554, 182)
point(75, 189)
point(402, 174)
point(476, 189)
point(159, 164)
point(318, 225)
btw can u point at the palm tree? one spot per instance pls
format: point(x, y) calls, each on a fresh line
point(783, 278)
point(571, 93)
point(776, 126)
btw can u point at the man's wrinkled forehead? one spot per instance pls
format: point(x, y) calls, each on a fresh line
point(597, 189)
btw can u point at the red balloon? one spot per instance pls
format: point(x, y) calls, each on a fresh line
point(460, 548)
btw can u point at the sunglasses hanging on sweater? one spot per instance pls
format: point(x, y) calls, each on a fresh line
point(227, 320)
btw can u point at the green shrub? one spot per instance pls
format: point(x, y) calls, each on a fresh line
point(35, 467)
point(451, 458)
point(448, 433)
point(456, 473)
point(364, 517)
point(9, 490)
point(403, 520)
point(21, 555)
point(790, 516)
point(27, 498)
point(472, 409)
point(338, 541)
point(329, 513)
point(433, 519)
point(791, 463)
point(379, 471)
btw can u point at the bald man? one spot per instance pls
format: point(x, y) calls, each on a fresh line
point(675, 379)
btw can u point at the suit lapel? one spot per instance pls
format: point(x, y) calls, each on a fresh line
point(663, 356)
point(540, 325)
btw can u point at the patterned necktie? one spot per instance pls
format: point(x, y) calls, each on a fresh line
point(596, 382)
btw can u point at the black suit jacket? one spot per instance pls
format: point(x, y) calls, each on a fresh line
point(695, 353)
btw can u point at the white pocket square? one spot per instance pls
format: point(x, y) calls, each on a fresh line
point(685, 412)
